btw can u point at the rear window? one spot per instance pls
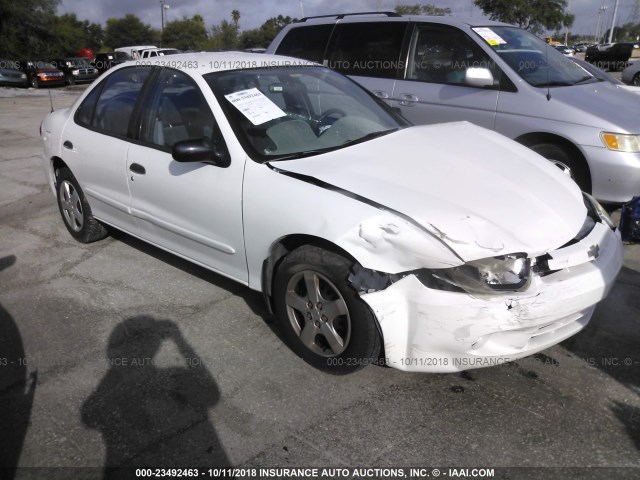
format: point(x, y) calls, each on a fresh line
point(367, 49)
point(308, 43)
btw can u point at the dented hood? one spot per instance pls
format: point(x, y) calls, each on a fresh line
point(480, 192)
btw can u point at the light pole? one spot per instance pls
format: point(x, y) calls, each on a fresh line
point(601, 12)
point(163, 6)
point(613, 22)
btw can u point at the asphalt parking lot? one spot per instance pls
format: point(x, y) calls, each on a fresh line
point(81, 324)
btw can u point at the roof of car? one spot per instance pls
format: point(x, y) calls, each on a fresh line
point(382, 17)
point(202, 63)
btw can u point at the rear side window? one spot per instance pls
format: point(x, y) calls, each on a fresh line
point(308, 43)
point(367, 49)
point(115, 106)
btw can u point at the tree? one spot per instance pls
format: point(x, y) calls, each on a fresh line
point(26, 27)
point(224, 36)
point(72, 34)
point(262, 36)
point(235, 18)
point(426, 9)
point(186, 34)
point(533, 15)
point(128, 30)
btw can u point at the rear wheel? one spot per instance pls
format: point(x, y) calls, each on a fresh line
point(75, 210)
point(562, 158)
point(321, 316)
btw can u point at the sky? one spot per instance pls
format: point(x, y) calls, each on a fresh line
point(253, 13)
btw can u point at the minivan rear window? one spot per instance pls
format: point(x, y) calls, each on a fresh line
point(308, 43)
point(367, 49)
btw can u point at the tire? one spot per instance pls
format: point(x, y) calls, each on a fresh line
point(563, 159)
point(332, 329)
point(75, 210)
point(71, 80)
point(34, 82)
point(636, 80)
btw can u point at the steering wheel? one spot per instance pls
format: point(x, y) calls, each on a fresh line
point(328, 118)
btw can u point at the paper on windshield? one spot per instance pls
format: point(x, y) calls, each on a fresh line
point(491, 37)
point(255, 106)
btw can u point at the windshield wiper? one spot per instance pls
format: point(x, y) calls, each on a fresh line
point(308, 153)
point(369, 136)
point(587, 80)
point(555, 83)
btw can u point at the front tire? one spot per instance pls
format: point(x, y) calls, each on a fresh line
point(75, 210)
point(635, 81)
point(34, 82)
point(562, 158)
point(322, 318)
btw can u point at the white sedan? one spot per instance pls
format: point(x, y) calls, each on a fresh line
point(435, 248)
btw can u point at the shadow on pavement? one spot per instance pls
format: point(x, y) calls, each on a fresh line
point(17, 389)
point(610, 342)
point(149, 414)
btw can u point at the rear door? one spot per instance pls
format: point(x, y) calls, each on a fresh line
point(97, 140)
point(370, 53)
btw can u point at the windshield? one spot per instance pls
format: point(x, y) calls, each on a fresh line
point(293, 112)
point(537, 63)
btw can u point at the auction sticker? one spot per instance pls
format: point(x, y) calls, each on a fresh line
point(491, 37)
point(255, 106)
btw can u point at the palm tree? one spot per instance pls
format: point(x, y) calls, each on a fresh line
point(235, 16)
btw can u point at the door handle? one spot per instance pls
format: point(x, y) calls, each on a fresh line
point(380, 94)
point(408, 100)
point(68, 145)
point(137, 168)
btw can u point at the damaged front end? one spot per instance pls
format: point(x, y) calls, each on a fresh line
point(493, 310)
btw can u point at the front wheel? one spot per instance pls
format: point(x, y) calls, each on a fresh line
point(322, 318)
point(636, 80)
point(75, 210)
point(563, 159)
point(34, 82)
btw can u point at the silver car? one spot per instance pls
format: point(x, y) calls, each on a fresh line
point(442, 69)
point(631, 74)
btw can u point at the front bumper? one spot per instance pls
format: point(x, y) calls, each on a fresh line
point(427, 330)
point(615, 176)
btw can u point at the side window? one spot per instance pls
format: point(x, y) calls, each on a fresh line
point(367, 49)
point(442, 54)
point(178, 111)
point(119, 95)
point(84, 114)
point(308, 43)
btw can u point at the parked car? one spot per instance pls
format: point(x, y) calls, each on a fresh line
point(76, 69)
point(451, 245)
point(631, 74)
point(563, 49)
point(134, 51)
point(614, 57)
point(43, 73)
point(11, 75)
point(441, 69)
point(604, 76)
point(158, 52)
point(104, 61)
point(580, 47)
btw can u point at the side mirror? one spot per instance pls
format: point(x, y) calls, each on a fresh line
point(478, 77)
point(200, 150)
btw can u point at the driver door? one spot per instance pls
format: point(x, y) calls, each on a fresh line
point(191, 209)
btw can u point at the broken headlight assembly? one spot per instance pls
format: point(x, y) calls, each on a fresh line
point(597, 211)
point(504, 273)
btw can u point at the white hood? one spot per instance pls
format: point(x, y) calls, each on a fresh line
point(480, 192)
